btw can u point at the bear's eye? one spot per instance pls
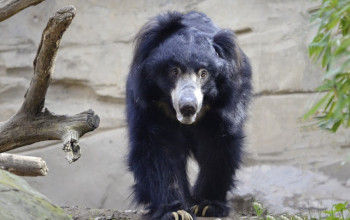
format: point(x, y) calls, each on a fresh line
point(175, 72)
point(203, 73)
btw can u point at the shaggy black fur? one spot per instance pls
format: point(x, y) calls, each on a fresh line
point(159, 145)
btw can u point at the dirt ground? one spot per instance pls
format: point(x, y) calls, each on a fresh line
point(80, 213)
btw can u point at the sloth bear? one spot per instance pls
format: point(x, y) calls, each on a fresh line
point(187, 94)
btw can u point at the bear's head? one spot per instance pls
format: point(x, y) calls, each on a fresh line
point(185, 67)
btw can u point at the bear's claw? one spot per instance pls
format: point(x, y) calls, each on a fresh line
point(195, 210)
point(182, 214)
point(205, 210)
point(210, 209)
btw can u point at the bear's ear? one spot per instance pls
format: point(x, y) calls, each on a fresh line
point(226, 46)
point(154, 32)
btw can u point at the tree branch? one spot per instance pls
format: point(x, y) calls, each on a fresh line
point(30, 124)
point(11, 7)
point(23, 130)
point(23, 165)
point(44, 62)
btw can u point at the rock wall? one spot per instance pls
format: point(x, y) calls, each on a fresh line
point(91, 69)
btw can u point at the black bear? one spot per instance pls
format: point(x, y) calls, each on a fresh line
point(187, 94)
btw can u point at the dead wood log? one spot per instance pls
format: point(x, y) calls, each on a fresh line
point(31, 124)
point(23, 165)
point(11, 7)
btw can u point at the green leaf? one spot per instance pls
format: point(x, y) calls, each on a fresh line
point(327, 85)
point(340, 206)
point(330, 212)
point(345, 26)
point(314, 109)
point(333, 22)
point(336, 126)
point(259, 210)
point(326, 56)
point(344, 45)
point(329, 102)
point(331, 48)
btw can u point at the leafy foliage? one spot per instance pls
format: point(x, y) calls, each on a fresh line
point(330, 48)
point(339, 211)
point(259, 210)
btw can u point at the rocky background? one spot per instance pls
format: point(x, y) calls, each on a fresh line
point(289, 166)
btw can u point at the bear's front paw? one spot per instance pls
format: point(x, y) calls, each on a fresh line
point(210, 209)
point(178, 215)
point(182, 215)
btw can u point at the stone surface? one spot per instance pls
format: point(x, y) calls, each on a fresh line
point(287, 189)
point(18, 200)
point(276, 127)
point(97, 51)
point(90, 72)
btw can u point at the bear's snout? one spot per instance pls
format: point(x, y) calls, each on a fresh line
point(188, 107)
point(187, 99)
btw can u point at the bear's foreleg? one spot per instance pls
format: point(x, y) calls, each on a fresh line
point(160, 181)
point(218, 161)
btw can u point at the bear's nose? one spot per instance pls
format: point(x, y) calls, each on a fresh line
point(188, 108)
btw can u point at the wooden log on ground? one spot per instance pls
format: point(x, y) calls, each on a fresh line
point(23, 165)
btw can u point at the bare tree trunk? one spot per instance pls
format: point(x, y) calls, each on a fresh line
point(31, 124)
